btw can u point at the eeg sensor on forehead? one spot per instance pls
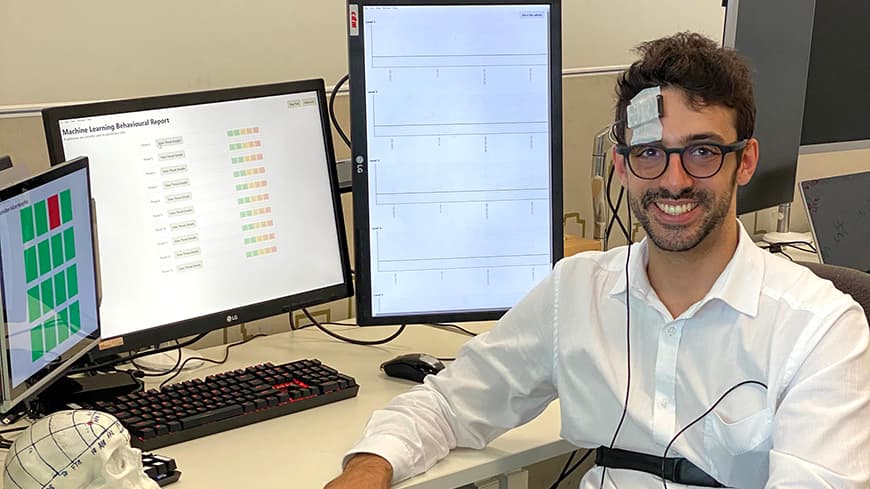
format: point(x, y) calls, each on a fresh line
point(644, 113)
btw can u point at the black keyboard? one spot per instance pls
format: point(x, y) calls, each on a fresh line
point(200, 407)
point(160, 469)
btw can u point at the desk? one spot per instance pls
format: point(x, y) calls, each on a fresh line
point(304, 450)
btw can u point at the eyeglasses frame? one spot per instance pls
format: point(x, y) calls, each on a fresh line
point(625, 151)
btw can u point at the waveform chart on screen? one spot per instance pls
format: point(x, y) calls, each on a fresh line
point(458, 137)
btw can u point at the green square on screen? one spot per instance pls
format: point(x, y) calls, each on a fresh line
point(37, 345)
point(56, 250)
point(50, 330)
point(47, 295)
point(72, 281)
point(31, 264)
point(66, 206)
point(60, 287)
point(44, 252)
point(27, 231)
point(69, 244)
point(34, 305)
point(41, 214)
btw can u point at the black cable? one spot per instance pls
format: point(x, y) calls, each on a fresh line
point(561, 477)
point(216, 362)
point(158, 373)
point(6, 443)
point(798, 245)
point(699, 418)
point(794, 243)
point(351, 340)
point(566, 471)
point(311, 325)
point(459, 329)
point(627, 345)
point(615, 209)
point(335, 123)
point(129, 358)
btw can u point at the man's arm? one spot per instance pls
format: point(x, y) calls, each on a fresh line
point(821, 430)
point(499, 380)
point(364, 471)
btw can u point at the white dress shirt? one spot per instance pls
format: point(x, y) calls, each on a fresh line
point(764, 319)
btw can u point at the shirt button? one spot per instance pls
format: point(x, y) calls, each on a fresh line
point(672, 331)
point(663, 403)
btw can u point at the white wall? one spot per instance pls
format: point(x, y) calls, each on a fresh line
point(100, 49)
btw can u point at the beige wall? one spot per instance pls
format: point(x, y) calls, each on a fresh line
point(102, 49)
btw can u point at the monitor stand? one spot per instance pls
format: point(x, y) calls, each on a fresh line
point(165, 361)
point(782, 233)
point(68, 392)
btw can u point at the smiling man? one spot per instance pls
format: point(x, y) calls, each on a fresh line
point(693, 356)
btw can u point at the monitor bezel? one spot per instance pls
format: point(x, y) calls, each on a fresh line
point(229, 317)
point(14, 395)
point(359, 152)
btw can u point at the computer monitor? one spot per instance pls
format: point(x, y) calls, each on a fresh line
point(777, 47)
point(838, 209)
point(48, 284)
point(457, 152)
point(213, 208)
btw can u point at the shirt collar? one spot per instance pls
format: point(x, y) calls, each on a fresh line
point(739, 284)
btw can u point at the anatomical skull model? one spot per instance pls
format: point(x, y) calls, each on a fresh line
point(75, 450)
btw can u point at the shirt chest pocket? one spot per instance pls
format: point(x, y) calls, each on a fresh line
point(737, 450)
point(737, 437)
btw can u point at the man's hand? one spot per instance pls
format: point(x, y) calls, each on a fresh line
point(364, 471)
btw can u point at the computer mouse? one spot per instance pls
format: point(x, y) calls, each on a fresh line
point(412, 366)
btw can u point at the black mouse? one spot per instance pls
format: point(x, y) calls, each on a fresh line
point(412, 366)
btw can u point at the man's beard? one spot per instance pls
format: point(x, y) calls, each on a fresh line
point(674, 237)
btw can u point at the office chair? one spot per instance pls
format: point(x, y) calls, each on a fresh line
point(847, 280)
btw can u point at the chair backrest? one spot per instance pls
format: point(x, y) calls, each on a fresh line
point(847, 280)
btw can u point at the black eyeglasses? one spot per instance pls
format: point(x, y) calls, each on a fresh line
point(700, 160)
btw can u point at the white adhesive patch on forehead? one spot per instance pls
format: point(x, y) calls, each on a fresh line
point(644, 114)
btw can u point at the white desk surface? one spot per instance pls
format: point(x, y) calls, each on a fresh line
point(304, 450)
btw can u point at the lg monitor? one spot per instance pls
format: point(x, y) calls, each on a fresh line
point(48, 283)
point(457, 155)
point(213, 208)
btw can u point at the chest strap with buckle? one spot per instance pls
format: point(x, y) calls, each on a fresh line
point(676, 469)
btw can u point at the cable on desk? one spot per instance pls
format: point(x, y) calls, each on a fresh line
point(798, 245)
point(331, 104)
point(311, 325)
point(352, 340)
point(459, 329)
point(154, 372)
point(130, 358)
point(216, 362)
point(6, 443)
